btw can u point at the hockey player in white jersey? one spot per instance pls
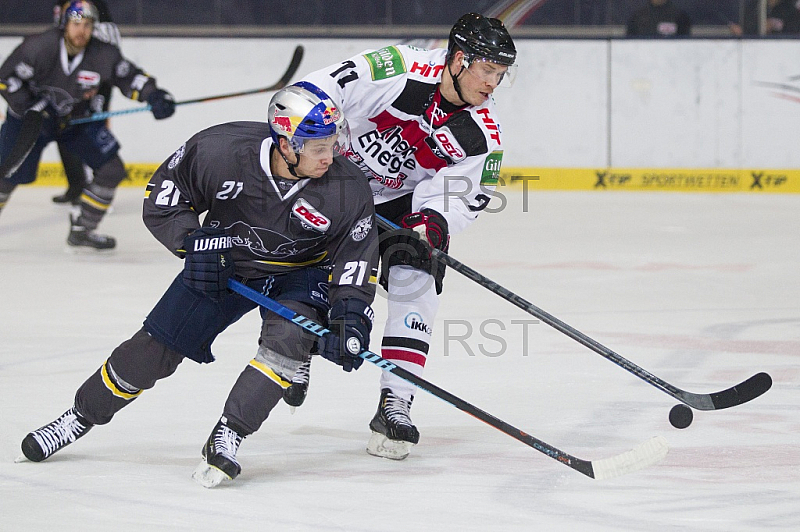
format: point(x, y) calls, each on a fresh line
point(425, 131)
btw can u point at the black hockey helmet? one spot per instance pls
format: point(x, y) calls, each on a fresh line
point(479, 36)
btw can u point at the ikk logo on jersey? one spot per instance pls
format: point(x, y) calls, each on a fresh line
point(414, 322)
point(309, 216)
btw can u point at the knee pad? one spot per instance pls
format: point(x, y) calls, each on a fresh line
point(283, 345)
point(139, 362)
point(110, 174)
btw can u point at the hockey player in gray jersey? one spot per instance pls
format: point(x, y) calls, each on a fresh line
point(282, 215)
point(425, 131)
point(105, 30)
point(63, 69)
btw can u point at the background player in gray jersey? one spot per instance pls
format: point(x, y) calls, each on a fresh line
point(64, 68)
point(105, 30)
point(310, 245)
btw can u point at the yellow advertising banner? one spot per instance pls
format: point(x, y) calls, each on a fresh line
point(758, 180)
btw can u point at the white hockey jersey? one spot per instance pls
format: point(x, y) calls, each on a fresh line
point(407, 140)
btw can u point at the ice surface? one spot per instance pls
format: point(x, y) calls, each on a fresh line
point(701, 290)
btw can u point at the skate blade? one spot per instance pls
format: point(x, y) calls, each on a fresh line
point(292, 409)
point(21, 458)
point(209, 476)
point(380, 445)
point(86, 250)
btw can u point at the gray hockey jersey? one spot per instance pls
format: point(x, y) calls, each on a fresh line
point(40, 68)
point(277, 224)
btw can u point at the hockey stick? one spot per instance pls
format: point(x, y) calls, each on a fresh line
point(743, 392)
point(645, 454)
point(26, 139)
point(291, 70)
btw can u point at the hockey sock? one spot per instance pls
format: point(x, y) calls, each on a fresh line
point(95, 201)
point(253, 397)
point(103, 395)
point(412, 306)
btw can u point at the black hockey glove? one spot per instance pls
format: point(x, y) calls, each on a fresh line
point(350, 322)
point(162, 104)
point(431, 226)
point(208, 263)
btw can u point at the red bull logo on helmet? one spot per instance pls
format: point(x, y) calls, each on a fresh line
point(284, 123)
point(331, 115)
point(78, 10)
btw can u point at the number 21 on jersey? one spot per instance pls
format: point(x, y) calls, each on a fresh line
point(354, 272)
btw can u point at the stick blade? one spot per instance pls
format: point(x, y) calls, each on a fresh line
point(643, 455)
point(746, 391)
point(291, 70)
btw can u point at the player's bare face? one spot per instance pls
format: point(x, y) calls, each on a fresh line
point(479, 81)
point(77, 33)
point(316, 158)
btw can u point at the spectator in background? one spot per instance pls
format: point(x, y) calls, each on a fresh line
point(783, 17)
point(659, 18)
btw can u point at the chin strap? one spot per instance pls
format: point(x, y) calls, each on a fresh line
point(291, 166)
point(456, 85)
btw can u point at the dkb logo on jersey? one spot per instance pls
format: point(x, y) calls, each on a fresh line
point(414, 322)
point(447, 142)
point(310, 217)
point(88, 79)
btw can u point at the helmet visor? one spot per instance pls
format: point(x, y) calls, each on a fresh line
point(491, 72)
point(320, 148)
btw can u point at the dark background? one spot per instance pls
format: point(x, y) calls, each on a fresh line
point(363, 12)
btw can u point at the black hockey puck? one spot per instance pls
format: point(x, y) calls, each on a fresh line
point(680, 416)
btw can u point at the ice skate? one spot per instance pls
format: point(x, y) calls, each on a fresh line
point(393, 433)
point(72, 196)
point(219, 456)
point(41, 443)
point(81, 237)
point(295, 394)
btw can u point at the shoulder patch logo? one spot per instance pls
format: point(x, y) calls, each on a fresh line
point(24, 70)
point(385, 63)
point(177, 156)
point(491, 168)
point(123, 69)
point(361, 229)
